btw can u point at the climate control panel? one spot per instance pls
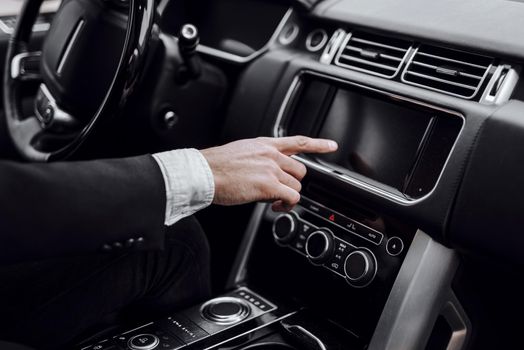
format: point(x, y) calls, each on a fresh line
point(336, 242)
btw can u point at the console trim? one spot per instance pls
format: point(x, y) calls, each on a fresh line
point(383, 193)
point(278, 319)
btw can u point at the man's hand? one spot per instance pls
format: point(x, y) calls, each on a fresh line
point(261, 169)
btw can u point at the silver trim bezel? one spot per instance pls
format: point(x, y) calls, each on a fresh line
point(401, 249)
point(389, 76)
point(294, 33)
point(78, 29)
point(332, 47)
point(328, 235)
point(366, 269)
point(408, 64)
point(315, 48)
point(16, 70)
point(148, 347)
point(292, 219)
point(244, 312)
point(375, 268)
point(505, 90)
point(383, 193)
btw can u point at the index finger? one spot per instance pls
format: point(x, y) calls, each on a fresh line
point(302, 144)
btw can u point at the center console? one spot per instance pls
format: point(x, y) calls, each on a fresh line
point(331, 273)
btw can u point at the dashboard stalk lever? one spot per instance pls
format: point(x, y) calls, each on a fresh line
point(188, 40)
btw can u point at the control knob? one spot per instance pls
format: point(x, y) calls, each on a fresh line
point(143, 342)
point(360, 267)
point(285, 228)
point(320, 246)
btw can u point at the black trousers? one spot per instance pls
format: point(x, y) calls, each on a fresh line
point(53, 303)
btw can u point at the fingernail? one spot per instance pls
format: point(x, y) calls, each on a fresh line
point(332, 145)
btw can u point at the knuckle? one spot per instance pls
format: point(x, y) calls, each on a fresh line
point(267, 151)
point(302, 170)
point(295, 198)
point(302, 141)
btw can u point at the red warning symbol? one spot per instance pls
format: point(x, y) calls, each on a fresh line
point(332, 217)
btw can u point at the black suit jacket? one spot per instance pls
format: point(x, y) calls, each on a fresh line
point(58, 209)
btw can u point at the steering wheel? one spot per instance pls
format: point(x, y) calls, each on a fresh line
point(89, 64)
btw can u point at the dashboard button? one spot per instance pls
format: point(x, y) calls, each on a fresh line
point(395, 246)
point(143, 342)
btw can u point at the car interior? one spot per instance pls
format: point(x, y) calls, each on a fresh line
point(410, 236)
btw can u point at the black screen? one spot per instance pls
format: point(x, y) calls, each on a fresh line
point(378, 139)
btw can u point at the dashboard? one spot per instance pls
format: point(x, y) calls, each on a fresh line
point(426, 102)
point(456, 74)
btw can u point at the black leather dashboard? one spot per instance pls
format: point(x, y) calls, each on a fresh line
point(491, 25)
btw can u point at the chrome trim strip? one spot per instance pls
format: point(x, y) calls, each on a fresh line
point(206, 50)
point(238, 271)
point(481, 82)
point(389, 76)
point(69, 46)
point(278, 319)
point(250, 317)
point(16, 70)
point(332, 46)
point(504, 92)
point(279, 132)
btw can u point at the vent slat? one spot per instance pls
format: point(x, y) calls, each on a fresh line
point(384, 46)
point(442, 80)
point(351, 58)
point(451, 60)
point(450, 71)
point(383, 55)
point(373, 53)
point(472, 76)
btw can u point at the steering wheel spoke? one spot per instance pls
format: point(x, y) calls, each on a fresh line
point(50, 115)
point(25, 67)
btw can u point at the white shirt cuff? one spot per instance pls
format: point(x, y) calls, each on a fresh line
point(189, 182)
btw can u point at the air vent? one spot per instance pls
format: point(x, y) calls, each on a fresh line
point(454, 72)
point(373, 53)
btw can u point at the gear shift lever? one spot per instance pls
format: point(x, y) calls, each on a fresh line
point(188, 40)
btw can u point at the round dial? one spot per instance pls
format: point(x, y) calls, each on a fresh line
point(285, 228)
point(360, 268)
point(320, 246)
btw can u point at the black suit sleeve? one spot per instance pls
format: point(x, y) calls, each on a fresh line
point(56, 209)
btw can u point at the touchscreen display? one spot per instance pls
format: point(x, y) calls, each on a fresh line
point(377, 139)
